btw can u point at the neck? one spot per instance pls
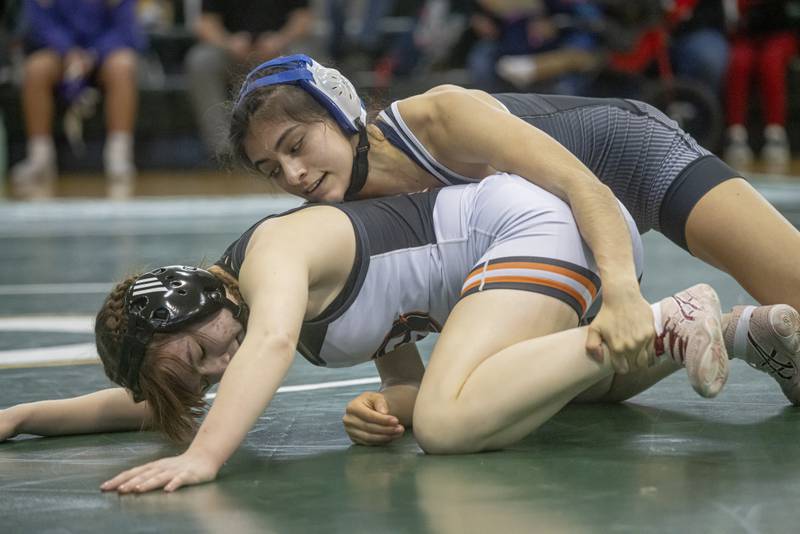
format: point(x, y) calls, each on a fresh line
point(391, 172)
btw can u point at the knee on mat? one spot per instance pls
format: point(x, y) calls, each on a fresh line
point(443, 431)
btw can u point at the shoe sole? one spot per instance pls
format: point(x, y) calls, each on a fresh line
point(786, 318)
point(708, 371)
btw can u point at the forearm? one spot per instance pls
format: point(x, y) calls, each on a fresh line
point(603, 227)
point(209, 29)
point(401, 399)
point(297, 27)
point(246, 389)
point(107, 410)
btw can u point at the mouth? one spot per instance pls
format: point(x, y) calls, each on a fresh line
point(316, 184)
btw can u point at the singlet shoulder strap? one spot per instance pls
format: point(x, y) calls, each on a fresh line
point(400, 135)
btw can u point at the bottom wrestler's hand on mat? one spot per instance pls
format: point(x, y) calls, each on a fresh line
point(625, 325)
point(368, 422)
point(9, 424)
point(169, 473)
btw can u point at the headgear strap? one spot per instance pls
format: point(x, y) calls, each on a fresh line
point(358, 177)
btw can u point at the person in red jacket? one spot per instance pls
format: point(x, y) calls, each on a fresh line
point(762, 46)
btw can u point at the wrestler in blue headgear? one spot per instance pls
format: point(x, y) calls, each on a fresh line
point(328, 87)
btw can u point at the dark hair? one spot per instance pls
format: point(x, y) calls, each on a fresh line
point(279, 102)
point(175, 400)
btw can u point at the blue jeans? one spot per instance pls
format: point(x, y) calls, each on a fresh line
point(702, 56)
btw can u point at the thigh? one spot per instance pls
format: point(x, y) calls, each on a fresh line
point(736, 230)
point(481, 325)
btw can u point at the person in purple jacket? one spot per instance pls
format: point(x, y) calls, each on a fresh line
point(71, 44)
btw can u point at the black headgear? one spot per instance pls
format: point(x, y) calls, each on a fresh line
point(166, 299)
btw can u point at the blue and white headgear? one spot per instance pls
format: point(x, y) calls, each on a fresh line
point(328, 87)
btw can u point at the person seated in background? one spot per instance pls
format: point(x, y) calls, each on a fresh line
point(526, 43)
point(699, 47)
point(765, 39)
point(70, 45)
point(233, 34)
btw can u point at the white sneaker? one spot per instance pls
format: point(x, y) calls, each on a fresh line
point(119, 167)
point(775, 154)
point(691, 334)
point(34, 179)
point(120, 181)
point(737, 152)
point(768, 339)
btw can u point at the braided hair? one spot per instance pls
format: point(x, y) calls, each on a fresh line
point(171, 387)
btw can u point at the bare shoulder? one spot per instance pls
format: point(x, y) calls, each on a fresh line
point(426, 109)
point(304, 228)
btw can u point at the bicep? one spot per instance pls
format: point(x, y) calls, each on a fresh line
point(465, 129)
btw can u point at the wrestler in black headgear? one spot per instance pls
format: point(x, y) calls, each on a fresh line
point(166, 300)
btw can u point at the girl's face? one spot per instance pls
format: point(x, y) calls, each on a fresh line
point(209, 346)
point(311, 160)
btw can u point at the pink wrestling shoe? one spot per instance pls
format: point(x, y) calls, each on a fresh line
point(691, 334)
point(768, 339)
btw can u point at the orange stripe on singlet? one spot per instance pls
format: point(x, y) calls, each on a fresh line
point(532, 280)
point(588, 284)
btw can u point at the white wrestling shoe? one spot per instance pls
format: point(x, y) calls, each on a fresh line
point(690, 332)
point(768, 339)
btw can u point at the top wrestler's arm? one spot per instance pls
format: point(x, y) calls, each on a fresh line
point(472, 128)
point(107, 410)
point(401, 373)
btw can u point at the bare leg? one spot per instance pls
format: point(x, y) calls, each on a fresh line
point(736, 230)
point(118, 76)
point(42, 72)
point(486, 386)
point(491, 381)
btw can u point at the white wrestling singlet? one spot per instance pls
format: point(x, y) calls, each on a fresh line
point(418, 254)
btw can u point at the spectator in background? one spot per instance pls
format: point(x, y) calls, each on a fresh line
point(71, 44)
point(699, 45)
point(765, 40)
point(234, 35)
point(368, 39)
point(532, 42)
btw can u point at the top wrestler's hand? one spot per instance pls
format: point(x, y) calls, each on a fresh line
point(169, 473)
point(368, 422)
point(625, 326)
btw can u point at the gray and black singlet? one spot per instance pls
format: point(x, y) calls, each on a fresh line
point(654, 168)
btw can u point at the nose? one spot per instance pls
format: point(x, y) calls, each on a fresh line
point(295, 172)
point(213, 370)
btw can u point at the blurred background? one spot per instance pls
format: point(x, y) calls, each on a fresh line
point(124, 98)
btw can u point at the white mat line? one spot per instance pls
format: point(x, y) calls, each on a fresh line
point(320, 385)
point(69, 324)
point(74, 353)
point(55, 289)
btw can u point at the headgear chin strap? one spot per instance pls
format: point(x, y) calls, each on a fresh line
point(332, 90)
point(166, 299)
point(358, 177)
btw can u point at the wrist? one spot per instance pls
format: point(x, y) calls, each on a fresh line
point(18, 415)
point(620, 283)
point(209, 457)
